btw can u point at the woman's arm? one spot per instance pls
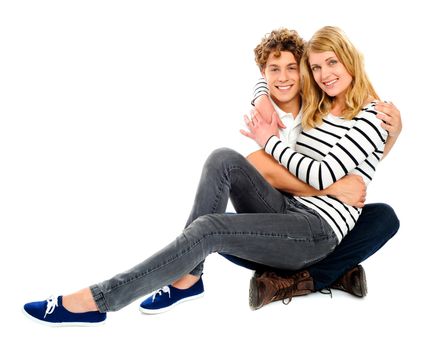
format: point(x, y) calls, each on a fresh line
point(350, 190)
point(390, 115)
point(363, 139)
point(265, 107)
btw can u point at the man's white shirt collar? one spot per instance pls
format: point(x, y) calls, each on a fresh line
point(283, 115)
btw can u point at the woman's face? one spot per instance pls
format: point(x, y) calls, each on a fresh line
point(329, 73)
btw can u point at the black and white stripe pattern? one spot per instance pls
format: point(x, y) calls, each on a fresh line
point(261, 88)
point(330, 151)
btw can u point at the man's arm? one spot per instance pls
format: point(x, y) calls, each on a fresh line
point(391, 117)
point(351, 189)
point(278, 176)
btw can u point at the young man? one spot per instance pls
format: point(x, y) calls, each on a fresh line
point(278, 57)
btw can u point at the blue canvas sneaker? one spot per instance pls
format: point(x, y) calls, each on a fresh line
point(166, 298)
point(52, 313)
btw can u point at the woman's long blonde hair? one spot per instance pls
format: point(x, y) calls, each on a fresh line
point(316, 103)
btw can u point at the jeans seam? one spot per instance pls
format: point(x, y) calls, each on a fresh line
point(259, 194)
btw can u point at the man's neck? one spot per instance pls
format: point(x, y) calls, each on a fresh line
point(292, 107)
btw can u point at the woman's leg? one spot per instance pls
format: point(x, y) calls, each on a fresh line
point(228, 175)
point(285, 241)
point(262, 238)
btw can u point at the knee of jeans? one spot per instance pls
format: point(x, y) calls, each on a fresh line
point(202, 227)
point(388, 216)
point(393, 220)
point(203, 233)
point(222, 158)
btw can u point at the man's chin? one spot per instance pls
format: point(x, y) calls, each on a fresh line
point(282, 99)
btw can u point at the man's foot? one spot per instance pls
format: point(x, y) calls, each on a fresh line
point(52, 313)
point(168, 297)
point(353, 282)
point(268, 287)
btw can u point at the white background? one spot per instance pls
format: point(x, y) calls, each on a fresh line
point(108, 110)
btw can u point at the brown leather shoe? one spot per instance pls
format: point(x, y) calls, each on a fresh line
point(269, 287)
point(353, 282)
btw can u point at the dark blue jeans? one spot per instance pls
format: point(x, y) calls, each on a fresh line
point(376, 225)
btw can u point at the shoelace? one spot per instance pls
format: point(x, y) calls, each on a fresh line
point(326, 291)
point(51, 304)
point(160, 291)
point(285, 290)
point(286, 293)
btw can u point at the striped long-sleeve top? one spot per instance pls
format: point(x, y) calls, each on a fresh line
point(324, 154)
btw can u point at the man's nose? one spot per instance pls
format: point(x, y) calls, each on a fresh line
point(283, 75)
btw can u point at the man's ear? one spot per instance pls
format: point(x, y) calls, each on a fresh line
point(263, 73)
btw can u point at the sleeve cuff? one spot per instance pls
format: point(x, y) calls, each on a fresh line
point(271, 144)
point(260, 89)
point(257, 95)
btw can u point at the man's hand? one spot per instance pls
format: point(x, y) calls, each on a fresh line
point(391, 117)
point(350, 190)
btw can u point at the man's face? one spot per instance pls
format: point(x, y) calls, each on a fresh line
point(282, 75)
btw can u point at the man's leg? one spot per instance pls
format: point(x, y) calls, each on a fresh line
point(339, 270)
point(376, 225)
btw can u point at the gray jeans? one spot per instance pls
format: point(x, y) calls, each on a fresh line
point(270, 228)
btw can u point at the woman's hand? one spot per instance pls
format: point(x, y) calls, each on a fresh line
point(391, 117)
point(260, 130)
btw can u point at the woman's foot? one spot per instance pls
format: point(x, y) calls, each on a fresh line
point(186, 282)
point(164, 299)
point(52, 312)
point(81, 301)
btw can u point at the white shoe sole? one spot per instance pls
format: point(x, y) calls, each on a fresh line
point(168, 308)
point(63, 324)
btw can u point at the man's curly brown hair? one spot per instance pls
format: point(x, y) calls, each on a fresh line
point(279, 40)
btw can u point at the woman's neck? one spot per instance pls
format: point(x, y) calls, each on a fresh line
point(338, 106)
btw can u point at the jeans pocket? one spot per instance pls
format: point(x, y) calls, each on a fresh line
point(318, 227)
